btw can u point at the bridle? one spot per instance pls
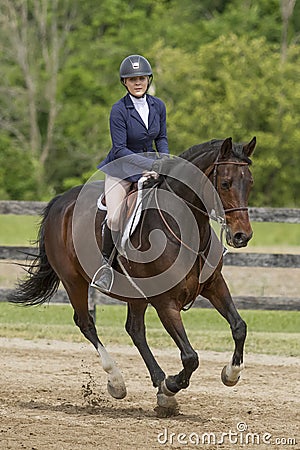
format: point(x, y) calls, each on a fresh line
point(214, 170)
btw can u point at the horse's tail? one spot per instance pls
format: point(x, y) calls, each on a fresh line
point(42, 282)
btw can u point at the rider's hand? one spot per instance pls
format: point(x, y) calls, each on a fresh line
point(150, 174)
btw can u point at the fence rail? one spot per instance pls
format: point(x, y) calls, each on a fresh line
point(231, 258)
point(241, 302)
point(21, 208)
point(285, 215)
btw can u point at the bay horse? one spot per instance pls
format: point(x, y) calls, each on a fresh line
point(189, 262)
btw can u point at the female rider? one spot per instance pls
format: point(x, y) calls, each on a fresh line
point(137, 121)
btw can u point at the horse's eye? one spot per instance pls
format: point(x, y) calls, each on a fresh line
point(225, 184)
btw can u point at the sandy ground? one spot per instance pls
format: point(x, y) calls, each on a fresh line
point(53, 396)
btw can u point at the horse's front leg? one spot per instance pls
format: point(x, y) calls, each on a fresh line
point(135, 327)
point(171, 319)
point(218, 294)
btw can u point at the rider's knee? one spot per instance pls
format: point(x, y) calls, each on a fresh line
point(113, 223)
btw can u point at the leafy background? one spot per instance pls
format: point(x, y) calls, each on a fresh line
point(223, 68)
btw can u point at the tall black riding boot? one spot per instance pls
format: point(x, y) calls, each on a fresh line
point(103, 278)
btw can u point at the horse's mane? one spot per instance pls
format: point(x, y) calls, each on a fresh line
point(208, 151)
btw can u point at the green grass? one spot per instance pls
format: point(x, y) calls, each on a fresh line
point(272, 234)
point(20, 230)
point(270, 332)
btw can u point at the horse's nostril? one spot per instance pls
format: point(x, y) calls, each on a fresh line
point(240, 238)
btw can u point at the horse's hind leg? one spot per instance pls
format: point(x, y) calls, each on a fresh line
point(218, 294)
point(77, 290)
point(135, 327)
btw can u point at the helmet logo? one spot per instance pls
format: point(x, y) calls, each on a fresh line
point(135, 65)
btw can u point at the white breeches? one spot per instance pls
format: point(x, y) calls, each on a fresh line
point(116, 190)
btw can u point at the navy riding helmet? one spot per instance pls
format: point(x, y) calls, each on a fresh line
point(134, 66)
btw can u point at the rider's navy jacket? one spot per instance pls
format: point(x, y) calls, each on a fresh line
point(132, 140)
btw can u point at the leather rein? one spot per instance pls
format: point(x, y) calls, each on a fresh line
point(212, 170)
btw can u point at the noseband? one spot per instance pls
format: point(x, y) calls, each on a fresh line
point(214, 169)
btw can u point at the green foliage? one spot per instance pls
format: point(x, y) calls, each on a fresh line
point(247, 18)
point(17, 171)
point(218, 65)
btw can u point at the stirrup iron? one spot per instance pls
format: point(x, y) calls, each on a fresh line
point(104, 289)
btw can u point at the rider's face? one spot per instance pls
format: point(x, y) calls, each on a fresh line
point(137, 86)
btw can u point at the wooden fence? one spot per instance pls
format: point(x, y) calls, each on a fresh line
point(239, 259)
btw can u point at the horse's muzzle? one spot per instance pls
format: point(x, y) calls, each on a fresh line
point(241, 239)
point(238, 240)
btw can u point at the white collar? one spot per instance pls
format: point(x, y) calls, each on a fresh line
point(138, 101)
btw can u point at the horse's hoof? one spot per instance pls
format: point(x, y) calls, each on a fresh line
point(167, 406)
point(162, 412)
point(116, 391)
point(226, 380)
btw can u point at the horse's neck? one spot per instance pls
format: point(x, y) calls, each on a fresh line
point(205, 160)
point(203, 155)
point(191, 196)
point(191, 179)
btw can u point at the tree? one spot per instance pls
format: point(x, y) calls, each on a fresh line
point(287, 8)
point(217, 64)
point(33, 35)
point(235, 86)
point(16, 169)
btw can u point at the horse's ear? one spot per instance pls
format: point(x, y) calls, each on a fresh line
point(248, 149)
point(226, 149)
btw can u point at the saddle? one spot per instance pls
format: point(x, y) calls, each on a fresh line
point(132, 206)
